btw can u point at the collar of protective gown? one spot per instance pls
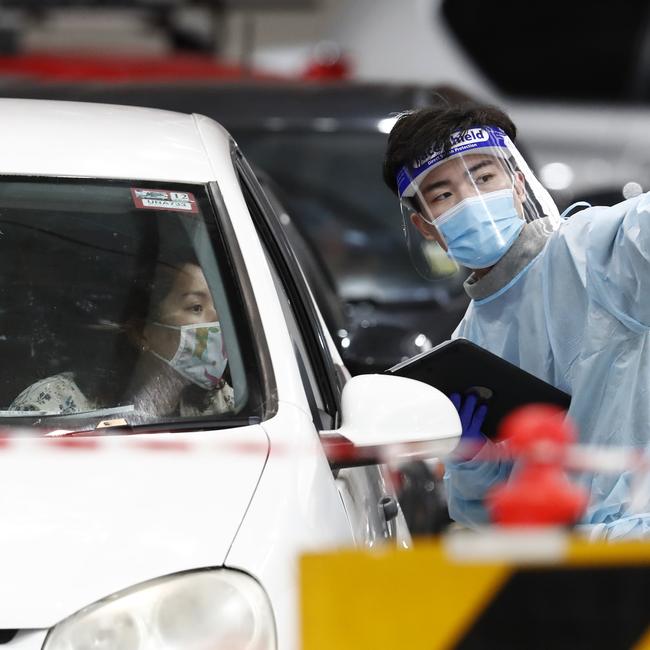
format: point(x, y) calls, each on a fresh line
point(525, 248)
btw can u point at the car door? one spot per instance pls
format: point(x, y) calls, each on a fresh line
point(366, 492)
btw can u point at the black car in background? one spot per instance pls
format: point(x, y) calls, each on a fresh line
point(322, 145)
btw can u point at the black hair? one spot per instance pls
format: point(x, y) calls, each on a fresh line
point(115, 352)
point(160, 285)
point(416, 132)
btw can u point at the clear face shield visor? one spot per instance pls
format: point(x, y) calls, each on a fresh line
point(466, 207)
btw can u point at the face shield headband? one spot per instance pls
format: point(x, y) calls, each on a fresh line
point(482, 139)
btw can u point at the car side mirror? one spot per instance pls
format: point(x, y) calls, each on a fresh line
point(393, 414)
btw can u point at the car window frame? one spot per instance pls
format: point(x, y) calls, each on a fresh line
point(248, 301)
point(284, 260)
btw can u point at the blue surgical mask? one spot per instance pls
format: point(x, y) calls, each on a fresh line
point(479, 230)
point(200, 356)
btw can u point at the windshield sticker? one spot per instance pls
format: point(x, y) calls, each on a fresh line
point(163, 200)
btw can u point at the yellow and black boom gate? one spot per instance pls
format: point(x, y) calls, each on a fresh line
point(580, 596)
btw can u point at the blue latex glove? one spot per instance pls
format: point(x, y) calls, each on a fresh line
point(471, 418)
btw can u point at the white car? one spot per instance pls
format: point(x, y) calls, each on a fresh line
point(144, 510)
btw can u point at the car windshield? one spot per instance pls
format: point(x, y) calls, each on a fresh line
point(119, 307)
point(332, 187)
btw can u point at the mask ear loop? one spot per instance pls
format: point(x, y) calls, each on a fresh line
point(578, 204)
point(163, 359)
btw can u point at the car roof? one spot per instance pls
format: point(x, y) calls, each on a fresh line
point(355, 104)
point(60, 138)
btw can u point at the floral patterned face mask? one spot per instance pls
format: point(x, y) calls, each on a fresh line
point(200, 356)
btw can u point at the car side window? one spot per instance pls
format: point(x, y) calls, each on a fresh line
point(313, 357)
point(119, 303)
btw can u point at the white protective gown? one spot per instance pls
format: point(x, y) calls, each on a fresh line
point(572, 308)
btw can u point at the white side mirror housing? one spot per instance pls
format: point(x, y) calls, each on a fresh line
point(390, 410)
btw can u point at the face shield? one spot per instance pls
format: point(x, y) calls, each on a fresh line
point(470, 203)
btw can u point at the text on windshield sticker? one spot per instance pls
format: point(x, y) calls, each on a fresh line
point(145, 199)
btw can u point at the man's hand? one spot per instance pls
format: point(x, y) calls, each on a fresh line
point(471, 418)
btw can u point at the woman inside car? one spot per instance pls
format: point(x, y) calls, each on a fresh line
point(169, 357)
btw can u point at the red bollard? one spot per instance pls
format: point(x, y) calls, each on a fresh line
point(538, 493)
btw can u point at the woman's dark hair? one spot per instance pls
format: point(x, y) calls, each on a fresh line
point(113, 346)
point(160, 284)
point(416, 132)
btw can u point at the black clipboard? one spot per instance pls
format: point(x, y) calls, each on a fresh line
point(460, 366)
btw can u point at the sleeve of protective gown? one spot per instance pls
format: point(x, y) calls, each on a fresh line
point(636, 526)
point(468, 481)
point(618, 260)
